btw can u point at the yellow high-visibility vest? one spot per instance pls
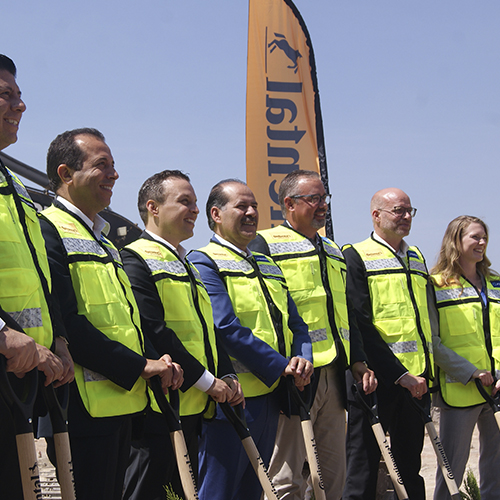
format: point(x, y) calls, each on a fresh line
point(22, 292)
point(104, 296)
point(245, 280)
point(327, 319)
point(471, 331)
point(399, 303)
point(187, 311)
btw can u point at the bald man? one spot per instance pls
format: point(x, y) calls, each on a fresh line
point(387, 283)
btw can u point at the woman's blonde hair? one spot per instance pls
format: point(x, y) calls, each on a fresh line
point(447, 265)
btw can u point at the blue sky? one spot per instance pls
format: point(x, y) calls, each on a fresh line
point(409, 94)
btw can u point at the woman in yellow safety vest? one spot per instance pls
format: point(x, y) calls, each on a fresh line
point(468, 348)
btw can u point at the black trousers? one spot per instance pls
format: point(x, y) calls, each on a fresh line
point(99, 462)
point(10, 477)
point(406, 430)
point(152, 463)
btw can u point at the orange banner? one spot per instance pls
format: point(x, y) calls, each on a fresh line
point(284, 130)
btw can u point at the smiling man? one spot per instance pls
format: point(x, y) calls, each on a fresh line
point(388, 285)
point(314, 269)
point(29, 327)
point(257, 323)
point(176, 315)
point(100, 315)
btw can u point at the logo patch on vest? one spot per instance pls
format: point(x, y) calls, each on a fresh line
point(283, 236)
point(373, 254)
point(495, 284)
point(69, 227)
point(413, 254)
point(153, 251)
point(218, 253)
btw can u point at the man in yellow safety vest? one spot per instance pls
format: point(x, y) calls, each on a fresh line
point(100, 314)
point(388, 284)
point(31, 333)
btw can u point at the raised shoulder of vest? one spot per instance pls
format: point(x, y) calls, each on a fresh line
point(147, 247)
point(214, 250)
point(278, 233)
point(438, 281)
point(370, 249)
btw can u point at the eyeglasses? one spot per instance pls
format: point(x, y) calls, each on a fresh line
point(314, 199)
point(401, 211)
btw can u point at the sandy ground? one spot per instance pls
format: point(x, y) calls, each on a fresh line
point(50, 486)
point(429, 464)
point(51, 490)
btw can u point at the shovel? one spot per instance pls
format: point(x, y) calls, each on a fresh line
point(19, 395)
point(494, 402)
point(368, 403)
point(423, 407)
point(237, 418)
point(171, 413)
point(57, 405)
point(303, 400)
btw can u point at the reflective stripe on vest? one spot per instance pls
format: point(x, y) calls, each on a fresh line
point(250, 306)
point(104, 296)
point(22, 293)
point(191, 321)
point(463, 329)
point(300, 262)
point(399, 303)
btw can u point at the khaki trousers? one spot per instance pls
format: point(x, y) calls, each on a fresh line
point(289, 454)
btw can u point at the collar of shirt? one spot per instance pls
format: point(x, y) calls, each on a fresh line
point(180, 251)
point(232, 247)
point(403, 248)
point(98, 226)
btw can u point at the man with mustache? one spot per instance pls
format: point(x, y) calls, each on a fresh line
point(176, 316)
point(30, 328)
point(314, 269)
point(388, 285)
point(100, 315)
point(258, 325)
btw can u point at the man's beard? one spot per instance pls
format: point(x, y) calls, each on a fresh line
point(318, 224)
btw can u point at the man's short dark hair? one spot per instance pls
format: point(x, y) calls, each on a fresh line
point(288, 186)
point(7, 64)
point(64, 150)
point(153, 189)
point(218, 198)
